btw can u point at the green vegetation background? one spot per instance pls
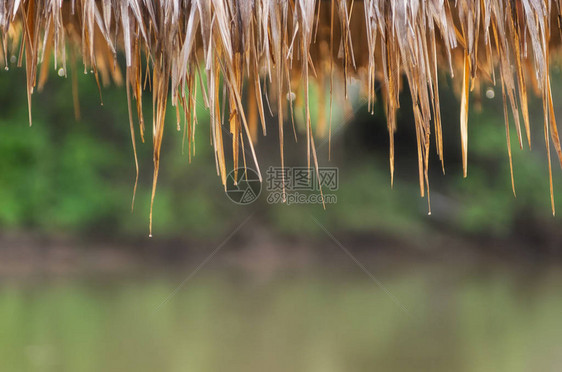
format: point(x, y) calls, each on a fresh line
point(68, 176)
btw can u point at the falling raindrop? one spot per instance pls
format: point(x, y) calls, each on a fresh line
point(291, 96)
point(61, 72)
point(490, 93)
point(13, 59)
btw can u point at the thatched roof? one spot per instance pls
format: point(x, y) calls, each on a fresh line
point(272, 48)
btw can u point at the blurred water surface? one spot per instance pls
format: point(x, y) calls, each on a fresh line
point(319, 320)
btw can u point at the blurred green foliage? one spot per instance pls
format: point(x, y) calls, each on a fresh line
point(64, 175)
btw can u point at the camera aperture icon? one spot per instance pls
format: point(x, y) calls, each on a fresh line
point(243, 186)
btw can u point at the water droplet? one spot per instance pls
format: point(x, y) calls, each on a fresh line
point(6, 68)
point(61, 72)
point(490, 93)
point(291, 96)
point(13, 59)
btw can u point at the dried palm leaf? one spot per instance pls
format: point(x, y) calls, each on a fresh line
point(280, 47)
